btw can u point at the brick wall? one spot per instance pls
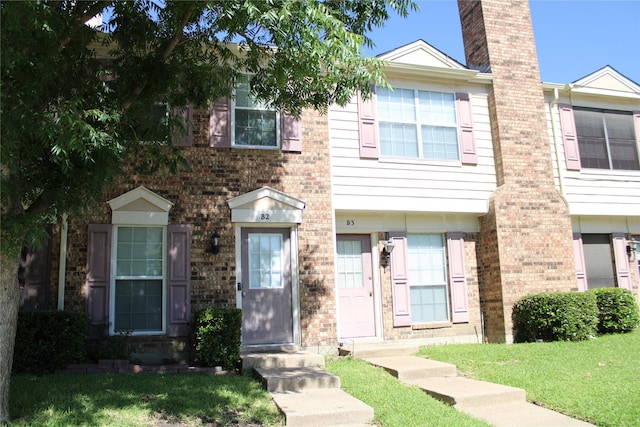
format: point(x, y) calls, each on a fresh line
point(526, 242)
point(200, 199)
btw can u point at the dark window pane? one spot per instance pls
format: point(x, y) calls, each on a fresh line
point(606, 139)
point(598, 260)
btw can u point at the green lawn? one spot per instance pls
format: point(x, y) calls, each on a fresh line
point(140, 400)
point(395, 404)
point(596, 380)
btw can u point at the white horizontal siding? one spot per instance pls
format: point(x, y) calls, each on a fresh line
point(409, 185)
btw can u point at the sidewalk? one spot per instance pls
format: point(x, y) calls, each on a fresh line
point(498, 405)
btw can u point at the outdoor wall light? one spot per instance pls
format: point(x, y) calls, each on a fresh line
point(633, 245)
point(385, 256)
point(214, 243)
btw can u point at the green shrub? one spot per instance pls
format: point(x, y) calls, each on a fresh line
point(101, 345)
point(552, 316)
point(216, 334)
point(618, 310)
point(49, 340)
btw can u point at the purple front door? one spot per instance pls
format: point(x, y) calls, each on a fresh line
point(267, 314)
point(355, 286)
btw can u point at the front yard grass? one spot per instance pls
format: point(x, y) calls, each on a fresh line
point(140, 400)
point(596, 380)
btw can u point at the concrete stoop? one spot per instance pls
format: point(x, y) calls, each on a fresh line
point(498, 405)
point(406, 368)
point(296, 379)
point(304, 392)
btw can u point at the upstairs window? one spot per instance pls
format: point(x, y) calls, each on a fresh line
point(418, 124)
point(606, 139)
point(255, 125)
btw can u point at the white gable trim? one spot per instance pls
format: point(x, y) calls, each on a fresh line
point(140, 206)
point(421, 53)
point(606, 81)
point(266, 205)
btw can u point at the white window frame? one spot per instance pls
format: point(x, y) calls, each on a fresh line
point(114, 278)
point(259, 107)
point(418, 123)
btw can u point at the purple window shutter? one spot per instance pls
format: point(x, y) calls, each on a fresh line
point(178, 280)
point(569, 137)
point(290, 134)
point(368, 127)
point(465, 123)
point(400, 291)
point(636, 122)
point(458, 278)
point(581, 269)
point(220, 123)
point(98, 272)
point(623, 272)
point(180, 138)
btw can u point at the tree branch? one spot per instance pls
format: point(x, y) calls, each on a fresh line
point(164, 55)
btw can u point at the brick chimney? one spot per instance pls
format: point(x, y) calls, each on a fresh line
point(526, 243)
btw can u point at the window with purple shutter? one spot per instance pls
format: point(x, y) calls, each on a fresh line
point(465, 129)
point(178, 280)
point(220, 123)
point(569, 137)
point(457, 278)
point(98, 278)
point(581, 269)
point(368, 127)
point(400, 290)
point(623, 272)
point(182, 131)
point(290, 134)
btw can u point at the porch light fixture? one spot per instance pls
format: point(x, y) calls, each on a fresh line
point(633, 245)
point(385, 256)
point(214, 243)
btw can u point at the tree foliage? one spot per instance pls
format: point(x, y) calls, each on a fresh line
point(75, 99)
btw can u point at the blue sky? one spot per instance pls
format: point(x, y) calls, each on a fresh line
point(573, 38)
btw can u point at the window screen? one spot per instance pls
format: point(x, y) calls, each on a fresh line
point(606, 139)
point(599, 260)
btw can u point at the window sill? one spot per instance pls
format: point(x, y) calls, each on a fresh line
point(422, 162)
point(435, 325)
point(255, 147)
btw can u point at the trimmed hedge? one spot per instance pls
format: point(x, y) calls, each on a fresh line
point(217, 337)
point(49, 340)
point(555, 316)
point(618, 310)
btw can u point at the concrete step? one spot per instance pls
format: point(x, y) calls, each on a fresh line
point(296, 359)
point(322, 407)
point(522, 414)
point(412, 367)
point(378, 349)
point(466, 393)
point(296, 379)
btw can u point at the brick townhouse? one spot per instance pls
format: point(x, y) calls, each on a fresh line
point(423, 213)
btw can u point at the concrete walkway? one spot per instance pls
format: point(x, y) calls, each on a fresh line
point(309, 396)
point(305, 393)
point(498, 405)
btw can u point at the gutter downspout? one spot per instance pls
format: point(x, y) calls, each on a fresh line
point(62, 267)
point(552, 104)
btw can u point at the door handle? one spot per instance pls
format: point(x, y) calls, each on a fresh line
point(370, 293)
point(239, 286)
